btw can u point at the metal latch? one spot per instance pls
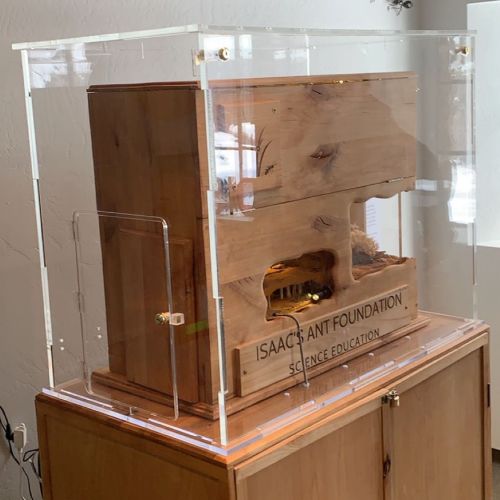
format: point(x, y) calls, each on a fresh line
point(391, 398)
point(164, 318)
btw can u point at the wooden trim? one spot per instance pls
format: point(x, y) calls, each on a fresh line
point(127, 87)
point(231, 481)
point(309, 80)
point(241, 488)
point(488, 465)
point(388, 447)
point(254, 82)
point(43, 445)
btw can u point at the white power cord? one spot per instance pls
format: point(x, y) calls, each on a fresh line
point(19, 440)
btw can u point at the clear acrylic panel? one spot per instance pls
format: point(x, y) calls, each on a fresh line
point(343, 188)
point(126, 304)
point(483, 17)
point(319, 193)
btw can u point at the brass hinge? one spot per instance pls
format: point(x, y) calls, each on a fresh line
point(387, 466)
point(391, 398)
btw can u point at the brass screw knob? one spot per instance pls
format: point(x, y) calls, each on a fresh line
point(223, 53)
point(162, 318)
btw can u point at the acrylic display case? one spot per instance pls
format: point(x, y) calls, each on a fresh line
point(482, 17)
point(240, 226)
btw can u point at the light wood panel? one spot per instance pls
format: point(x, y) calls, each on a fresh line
point(316, 137)
point(249, 244)
point(84, 459)
point(344, 465)
point(435, 438)
point(487, 444)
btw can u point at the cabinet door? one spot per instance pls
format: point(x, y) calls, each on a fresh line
point(436, 437)
point(345, 464)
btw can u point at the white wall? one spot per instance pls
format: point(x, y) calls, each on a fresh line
point(23, 366)
point(484, 18)
point(443, 14)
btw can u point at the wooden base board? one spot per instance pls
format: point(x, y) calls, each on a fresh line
point(235, 404)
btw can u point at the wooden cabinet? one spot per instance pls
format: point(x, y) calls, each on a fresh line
point(434, 445)
point(294, 160)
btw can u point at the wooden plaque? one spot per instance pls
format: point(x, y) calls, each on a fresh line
point(274, 358)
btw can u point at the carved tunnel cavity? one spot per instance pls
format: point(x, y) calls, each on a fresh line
point(295, 284)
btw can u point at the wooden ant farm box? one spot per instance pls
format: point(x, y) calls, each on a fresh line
point(269, 235)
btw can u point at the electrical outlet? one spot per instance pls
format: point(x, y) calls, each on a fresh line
point(20, 436)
